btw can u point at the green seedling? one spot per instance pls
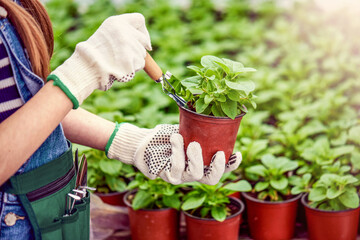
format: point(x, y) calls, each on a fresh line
point(211, 201)
point(271, 178)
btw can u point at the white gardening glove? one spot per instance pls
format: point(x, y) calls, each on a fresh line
point(159, 152)
point(114, 52)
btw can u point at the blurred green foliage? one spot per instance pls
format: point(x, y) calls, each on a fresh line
point(307, 77)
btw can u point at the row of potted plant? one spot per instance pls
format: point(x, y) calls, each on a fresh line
point(155, 207)
point(219, 92)
point(332, 209)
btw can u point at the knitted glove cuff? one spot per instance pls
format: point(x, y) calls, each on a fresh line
point(125, 142)
point(76, 78)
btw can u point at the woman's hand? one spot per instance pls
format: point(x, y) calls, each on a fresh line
point(159, 152)
point(113, 53)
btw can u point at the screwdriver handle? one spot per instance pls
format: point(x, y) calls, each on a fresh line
point(152, 68)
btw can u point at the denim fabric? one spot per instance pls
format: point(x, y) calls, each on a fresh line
point(28, 85)
point(22, 228)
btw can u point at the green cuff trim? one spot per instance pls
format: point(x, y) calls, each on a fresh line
point(107, 147)
point(61, 85)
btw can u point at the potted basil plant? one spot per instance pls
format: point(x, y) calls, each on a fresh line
point(271, 208)
point(216, 96)
point(109, 177)
point(332, 207)
point(210, 213)
point(153, 208)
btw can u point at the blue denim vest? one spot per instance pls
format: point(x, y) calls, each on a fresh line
point(28, 85)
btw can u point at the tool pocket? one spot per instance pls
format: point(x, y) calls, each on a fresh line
point(52, 231)
point(77, 224)
point(83, 208)
point(74, 225)
point(43, 193)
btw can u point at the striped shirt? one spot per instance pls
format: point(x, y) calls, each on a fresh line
point(10, 100)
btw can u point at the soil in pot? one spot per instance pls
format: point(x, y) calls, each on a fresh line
point(271, 220)
point(159, 224)
point(213, 133)
point(331, 225)
point(210, 229)
point(114, 198)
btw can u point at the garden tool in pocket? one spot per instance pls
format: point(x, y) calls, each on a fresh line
point(44, 193)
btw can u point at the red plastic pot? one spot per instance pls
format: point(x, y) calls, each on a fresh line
point(210, 229)
point(235, 195)
point(271, 220)
point(331, 225)
point(159, 224)
point(115, 198)
point(213, 133)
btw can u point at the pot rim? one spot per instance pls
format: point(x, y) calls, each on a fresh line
point(247, 196)
point(241, 209)
point(110, 193)
point(304, 202)
point(208, 116)
point(127, 203)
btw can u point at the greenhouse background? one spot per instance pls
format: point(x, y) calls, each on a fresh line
point(307, 57)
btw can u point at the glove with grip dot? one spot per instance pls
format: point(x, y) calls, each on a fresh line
point(159, 152)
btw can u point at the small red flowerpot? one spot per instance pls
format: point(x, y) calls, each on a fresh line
point(114, 198)
point(235, 195)
point(331, 225)
point(159, 224)
point(209, 229)
point(271, 220)
point(213, 133)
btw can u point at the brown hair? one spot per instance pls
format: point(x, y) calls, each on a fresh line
point(34, 27)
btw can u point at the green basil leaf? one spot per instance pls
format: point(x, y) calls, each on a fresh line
point(350, 199)
point(260, 186)
point(172, 201)
point(204, 212)
point(280, 183)
point(234, 95)
point(247, 69)
point(232, 65)
point(339, 151)
point(354, 134)
point(209, 61)
point(246, 86)
point(229, 108)
point(115, 184)
point(191, 81)
point(142, 200)
point(208, 99)
point(218, 213)
point(111, 167)
point(193, 202)
point(253, 103)
point(195, 69)
point(224, 67)
point(288, 166)
point(240, 186)
point(333, 192)
point(221, 98)
point(317, 194)
point(296, 190)
point(269, 161)
point(259, 170)
point(217, 111)
point(200, 105)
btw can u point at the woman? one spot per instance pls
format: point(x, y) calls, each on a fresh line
point(38, 112)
